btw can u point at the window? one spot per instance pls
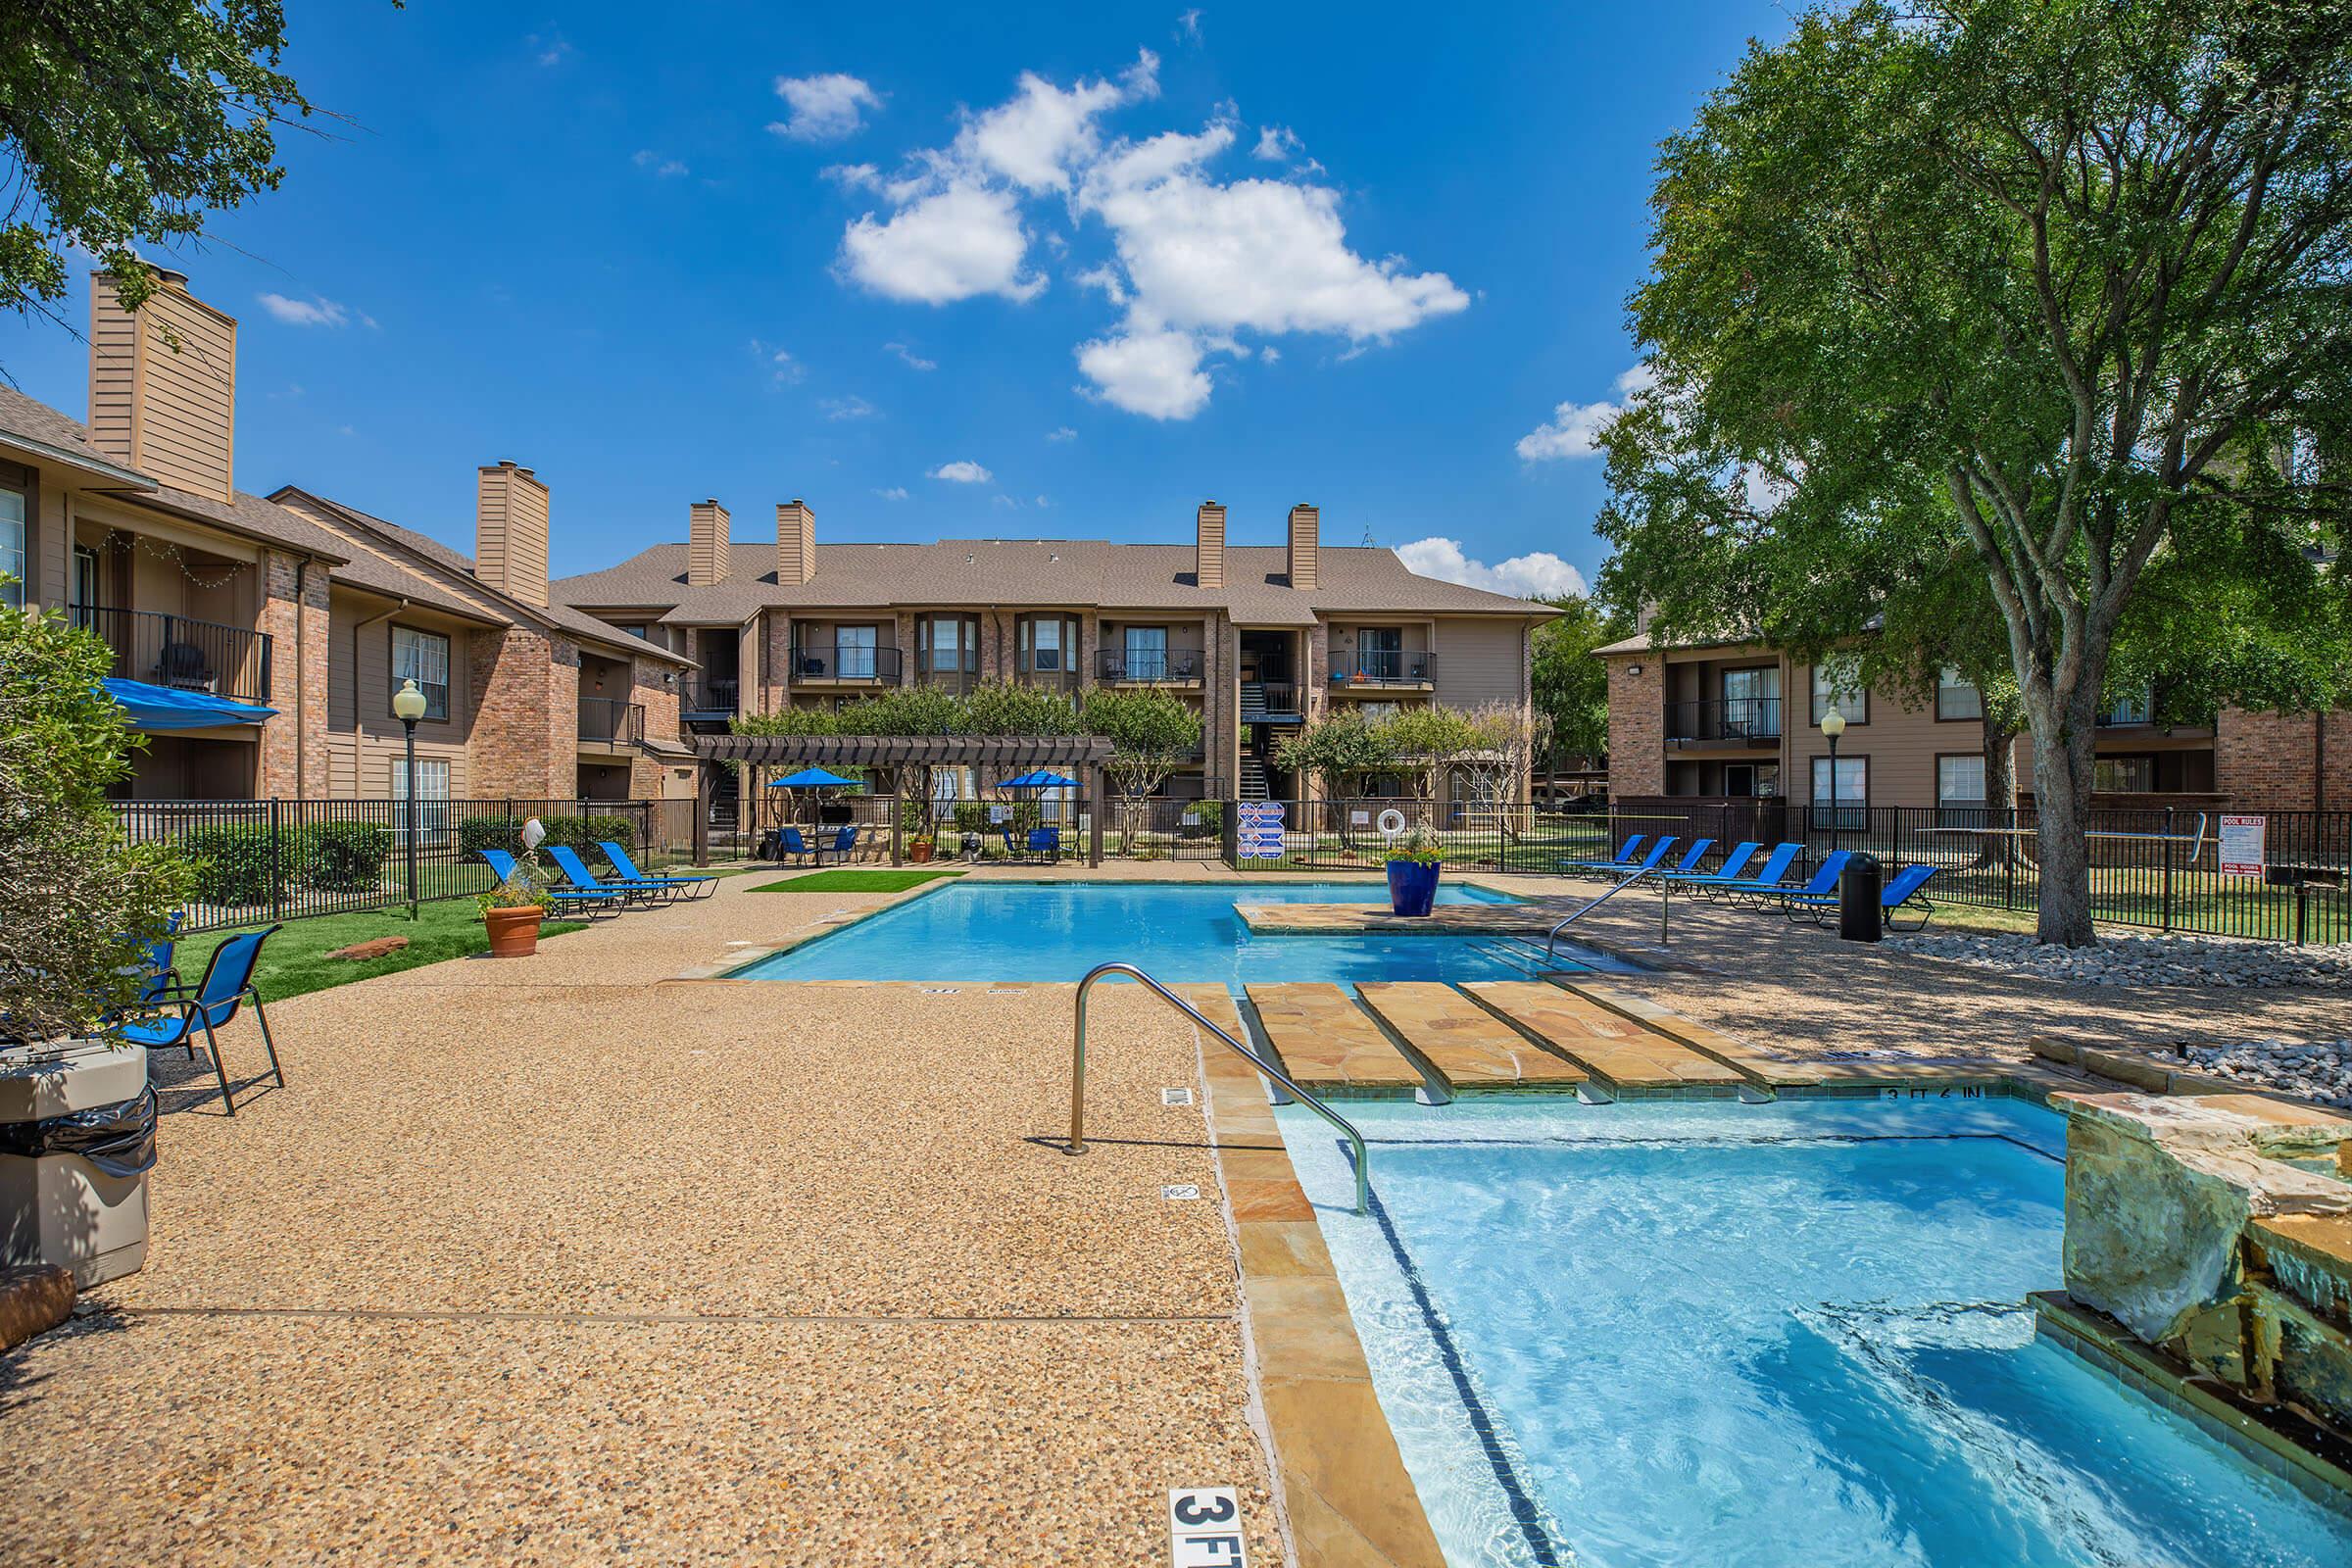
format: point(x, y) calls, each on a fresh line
point(16, 549)
point(2131, 707)
point(2124, 775)
point(1045, 645)
point(423, 657)
point(950, 650)
point(1751, 702)
point(1960, 780)
point(433, 798)
point(1380, 651)
point(1852, 786)
point(1842, 689)
point(1956, 698)
point(634, 631)
point(84, 592)
point(1751, 780)
point(853, 652)
point(1147, 652)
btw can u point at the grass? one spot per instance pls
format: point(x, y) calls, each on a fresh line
point(854, 882)
point(295, 960)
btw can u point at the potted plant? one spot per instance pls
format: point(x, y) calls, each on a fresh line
point(512, 910)
point(918, 850)
point(1414, 862)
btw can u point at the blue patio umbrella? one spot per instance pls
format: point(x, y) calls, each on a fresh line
point(1043, 778)
point(807, 778)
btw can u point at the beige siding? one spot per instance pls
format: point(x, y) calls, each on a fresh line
point(706, 546)
point(510, 523)
point(364, 742)
point(163, 387)
point(1480, 661)
point(113, 372)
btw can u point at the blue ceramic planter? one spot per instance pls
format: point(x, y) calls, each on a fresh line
point(1412, 886)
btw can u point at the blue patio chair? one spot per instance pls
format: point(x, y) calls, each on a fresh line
point(157, 974)
point(503, 867)
point(1623, 862)
point(1732, 864)
point(1012, 843)
point(844, 842)
point(1903, 888)
point(578, 878)
point(210, 1006)
point(693, 885)
point(1045, 845)
point(1824, 879)
point(790, 843)
point(1769, 874)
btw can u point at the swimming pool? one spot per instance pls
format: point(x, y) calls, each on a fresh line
point(1765, 1335)
point(1177, 931)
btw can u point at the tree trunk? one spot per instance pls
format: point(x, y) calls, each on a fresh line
point(2000, 792)
point(2063, 753)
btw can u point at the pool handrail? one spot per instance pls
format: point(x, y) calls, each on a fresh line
point(1551, 940)
point(1077, 1145)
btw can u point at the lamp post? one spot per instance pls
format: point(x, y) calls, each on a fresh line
point(407, 706)
point(1833, 725)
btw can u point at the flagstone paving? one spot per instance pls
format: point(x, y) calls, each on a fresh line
point(1614, 1049)
point(1328, 1044)
point(1468, 1047)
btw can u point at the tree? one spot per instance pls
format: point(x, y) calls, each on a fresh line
point(1496, 760)
point(2073, 267)
point(129, 122)
point(1337, 752)
point(1152, 732)
point(999, 707)
point(1426, 742)
point(76, 898)
point(1571, 687)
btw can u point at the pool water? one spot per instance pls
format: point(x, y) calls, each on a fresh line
point(1760, 1335)
point(973, 931)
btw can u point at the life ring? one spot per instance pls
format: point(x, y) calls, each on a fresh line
point(1392, 823)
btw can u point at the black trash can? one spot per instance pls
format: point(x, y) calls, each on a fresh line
point(1859, 916)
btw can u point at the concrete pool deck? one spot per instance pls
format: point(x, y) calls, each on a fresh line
point(563, 1259)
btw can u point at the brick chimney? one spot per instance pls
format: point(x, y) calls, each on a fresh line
point(1209, 560)
point(1307, 525)
point(706, 544)
point(510, 531)
point(796, 542)
point(164, 385)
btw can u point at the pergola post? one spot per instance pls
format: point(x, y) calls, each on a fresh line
point(704, 788)
point(1094, 835)
point(898, 823)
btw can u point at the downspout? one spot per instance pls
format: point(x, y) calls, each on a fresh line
point(302, 693)
point(2319, 761)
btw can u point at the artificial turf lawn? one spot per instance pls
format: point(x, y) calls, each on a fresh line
point(295, 960)
point(855, 882)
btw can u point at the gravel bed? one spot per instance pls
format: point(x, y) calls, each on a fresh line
point(2309, 1069)
point(2142, 961)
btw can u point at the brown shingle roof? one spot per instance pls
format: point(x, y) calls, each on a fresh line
point(1044, 572)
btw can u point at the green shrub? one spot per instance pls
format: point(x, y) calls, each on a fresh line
point(241, 864)
point(478, 833)
point(344, 856)
point(972, 817)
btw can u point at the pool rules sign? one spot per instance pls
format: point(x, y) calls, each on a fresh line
point(1259, 835)
point(1204, 1528)
point(2241, 846)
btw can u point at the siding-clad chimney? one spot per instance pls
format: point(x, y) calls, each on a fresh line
point(510, 531)
point(707, 543)
point(796, 542)
point(164, 385)
point(1209, 560)
point(1306, 524)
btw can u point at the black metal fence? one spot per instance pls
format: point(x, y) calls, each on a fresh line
point(282, 859)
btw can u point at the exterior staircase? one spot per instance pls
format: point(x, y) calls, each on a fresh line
point(1253, 779)
point(1254, 702)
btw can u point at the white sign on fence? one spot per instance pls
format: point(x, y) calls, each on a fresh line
point(1258, 830)
point(1359, 818)
point(2241, 844)
point(995, 810)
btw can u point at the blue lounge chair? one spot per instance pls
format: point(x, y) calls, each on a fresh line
point(502, 866)
point(1690, 861)
point(578, 878)
point(1823, 880)
point(1623, 862)
point(1901, 889)
point(226, 985)
point(693, 885)
point(1732, 864)
point(1769, 874)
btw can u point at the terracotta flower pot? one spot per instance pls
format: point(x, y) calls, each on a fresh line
point(513, 933)
point(918, 852)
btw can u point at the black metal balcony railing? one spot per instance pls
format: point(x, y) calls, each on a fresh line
point(1147, 665)
point(1732, 719)
point(609, 722)
point(1386, 666)
point(186, 654)
point(846, 661)
point(703, 698)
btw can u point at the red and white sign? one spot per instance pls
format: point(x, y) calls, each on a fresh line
point(2241, 846)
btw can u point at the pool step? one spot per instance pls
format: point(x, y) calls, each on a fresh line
point(1327, 1043)
point(1467, 1046)
point(1619, 1053)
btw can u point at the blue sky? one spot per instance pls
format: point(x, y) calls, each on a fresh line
point(1116, 261)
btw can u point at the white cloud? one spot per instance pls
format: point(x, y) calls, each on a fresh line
point(1539, 575)
point(782, 367)
point(1064, 433)
point(897, 492)
point(964, 241)
point(962, 472)
point(1037, 135)
point(849, 407)
point(824, 108)
point(1574, 430)
point(1275, 144)
point(1188, 22)
point(854, 177)
point(1153, 374)
point(666, 168)
point(551, 48)
point(913, 360)
point(313, 311)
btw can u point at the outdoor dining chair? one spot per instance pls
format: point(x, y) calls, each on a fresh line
point(211, 1003)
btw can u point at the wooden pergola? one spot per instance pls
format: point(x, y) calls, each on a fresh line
point(1082, 755)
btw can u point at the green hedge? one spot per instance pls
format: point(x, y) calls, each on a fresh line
point(344, 856)
point(580, 833)
point(246, 864)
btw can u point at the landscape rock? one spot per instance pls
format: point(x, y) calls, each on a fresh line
point(374, 948)
point(2142, 960)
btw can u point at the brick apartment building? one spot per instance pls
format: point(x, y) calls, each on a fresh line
point(1260, 639)
point(258, 641)
point(1727, 721)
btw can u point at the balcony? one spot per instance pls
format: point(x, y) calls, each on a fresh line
point(1394, 667)
point(1726, 721)
point(707, 701)
point(1148, 666)
point(608, 725)
point(186, 654)
point(843, 664)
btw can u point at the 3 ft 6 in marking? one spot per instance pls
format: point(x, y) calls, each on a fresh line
point(1204, 1528)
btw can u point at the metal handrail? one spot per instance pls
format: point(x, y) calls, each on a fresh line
point(1578, 914)
point(1364, 1158)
